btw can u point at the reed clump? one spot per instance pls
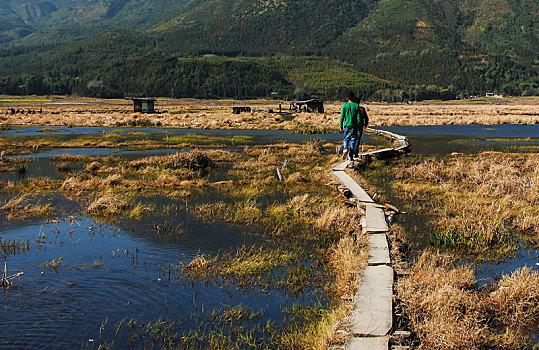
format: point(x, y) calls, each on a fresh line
point(441, 304)
point(447, 310)
point(247, 213)
point(143, 175)
point(31, 185)
point(515, 299)
point(193, 160)
point(18, 165)
point(245, 262)
point(23, 207)
point(53, 264)
point(14, 247)
point(108, 204)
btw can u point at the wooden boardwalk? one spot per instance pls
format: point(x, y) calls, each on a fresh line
point(356, 190)
point(367, 343)
point(376, 219)
point(378, 250)
point(372, 316)
point(373, 307)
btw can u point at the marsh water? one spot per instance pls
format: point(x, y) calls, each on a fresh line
point(440, 140)
point(109, 273)
point(445, 139)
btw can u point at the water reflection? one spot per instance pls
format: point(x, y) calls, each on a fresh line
point(121, 270)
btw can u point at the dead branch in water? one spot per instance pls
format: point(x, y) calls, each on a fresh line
point(6, 279)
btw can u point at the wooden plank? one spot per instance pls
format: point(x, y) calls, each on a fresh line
point(378, 250)
point(402, 334)
point(376, 219)
point(373, 309)
point(367, 344)
point(342, 166)
point(402, 148)
point(356, 190)
point(377, 152)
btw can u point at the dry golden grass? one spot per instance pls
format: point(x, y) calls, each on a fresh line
point(515, 301)
point(477, 201)
point(22, 207)
point(217, 114)
point(441, 306)
point(145, 175)
point(108, 204)
point(447, 311)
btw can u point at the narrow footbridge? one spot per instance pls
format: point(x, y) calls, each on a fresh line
point(372, 316)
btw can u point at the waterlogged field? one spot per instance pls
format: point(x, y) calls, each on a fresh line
point(469, 234)
point(135, 236)
point(165, 246)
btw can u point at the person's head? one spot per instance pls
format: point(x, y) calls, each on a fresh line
point(351, 97)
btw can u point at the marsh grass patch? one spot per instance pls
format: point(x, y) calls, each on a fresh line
point(26, 206)
point(447, 310)
point(477, 203)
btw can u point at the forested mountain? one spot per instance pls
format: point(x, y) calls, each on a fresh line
point(50, 22)
point(385, 49)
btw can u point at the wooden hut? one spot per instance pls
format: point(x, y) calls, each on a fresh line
point(143, 104)
point(238, 110)
point(312, 106)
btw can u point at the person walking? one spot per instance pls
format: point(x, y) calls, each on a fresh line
point(349, 126)
point(363, 123)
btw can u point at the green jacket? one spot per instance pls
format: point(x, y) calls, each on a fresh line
point(350, 115)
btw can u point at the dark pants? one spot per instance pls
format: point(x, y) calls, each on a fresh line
point(358, 140)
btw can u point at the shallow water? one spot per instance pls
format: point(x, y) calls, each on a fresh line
point(140, 276)
point(446, 139)
point(252, 137)
point(488, 272)
point(440, 140)
point(61, 309)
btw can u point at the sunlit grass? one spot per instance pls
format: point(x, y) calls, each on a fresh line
point(477, 203)
point(448, 311)
point(25, 100)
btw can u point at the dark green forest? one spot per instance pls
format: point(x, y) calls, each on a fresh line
point(391, 50)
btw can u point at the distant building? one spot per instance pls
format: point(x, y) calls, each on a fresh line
point(312, 106)
point(238, 110)
point(143, 104)
point(493, 95)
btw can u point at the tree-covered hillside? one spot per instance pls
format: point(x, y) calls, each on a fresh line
point(32, 22)
point(383, 49)
point(262, 27)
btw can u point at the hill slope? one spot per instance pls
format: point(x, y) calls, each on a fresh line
point(37, 21)
point(397, 49)
point(262, 27)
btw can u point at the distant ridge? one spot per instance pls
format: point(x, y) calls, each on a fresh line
point(395, 49)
